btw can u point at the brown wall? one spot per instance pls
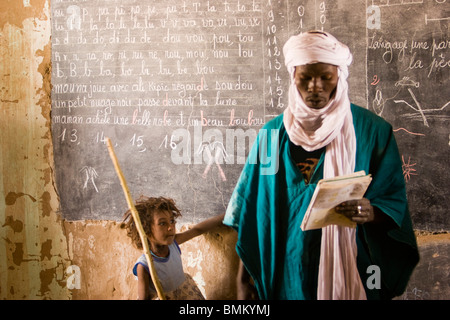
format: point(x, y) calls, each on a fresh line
point(106, 256)
point(36, 246)
point(33, 247)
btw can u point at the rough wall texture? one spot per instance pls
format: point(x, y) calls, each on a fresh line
point(106, 257)
point(431, 278)
point(33, 247)
point(37, 247)
point(212, 261)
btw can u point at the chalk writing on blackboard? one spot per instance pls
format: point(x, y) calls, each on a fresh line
point(218, 158)
point(176, 85)
point(409, 132)
point(183, 88)
point(424, 114)
point(90, 176)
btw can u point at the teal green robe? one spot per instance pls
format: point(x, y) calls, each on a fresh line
point(270, 200)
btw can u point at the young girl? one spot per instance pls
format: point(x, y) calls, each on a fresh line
point(158, 218)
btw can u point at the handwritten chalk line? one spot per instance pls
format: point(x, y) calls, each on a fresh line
point(402, 3)
point(419, 108)
point(424, 110)
point(435, 19)
point(413, 133)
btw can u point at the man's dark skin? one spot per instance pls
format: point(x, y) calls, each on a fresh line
point(317, 84)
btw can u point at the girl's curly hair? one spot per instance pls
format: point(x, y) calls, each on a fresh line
point(146, 207)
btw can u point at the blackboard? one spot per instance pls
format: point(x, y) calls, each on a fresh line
point(408, 73)
point(183, 87)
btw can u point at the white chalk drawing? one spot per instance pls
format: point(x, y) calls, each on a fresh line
point(390, 3)
point(418, 109)
point(406, 81)
point(379, 103)
point(435, 19)
point(416, 294)
point(424, 114)
point(91, 174)
point(220, 155)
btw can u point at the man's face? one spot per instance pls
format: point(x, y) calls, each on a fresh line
point(316, 83)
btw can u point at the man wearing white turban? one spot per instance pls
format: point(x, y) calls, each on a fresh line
point(321, 130)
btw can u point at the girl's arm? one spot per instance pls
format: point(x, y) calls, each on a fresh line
point(200, 228)
point(143, 283)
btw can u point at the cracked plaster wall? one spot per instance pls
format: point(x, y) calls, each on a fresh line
point(33, 248)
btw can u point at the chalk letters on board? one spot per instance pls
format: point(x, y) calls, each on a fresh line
point(182, 89)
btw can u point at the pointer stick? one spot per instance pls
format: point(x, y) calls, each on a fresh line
point(137, 222)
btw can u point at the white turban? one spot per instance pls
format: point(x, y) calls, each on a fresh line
point(316, 128)
point(313, 47)
point(331, 126)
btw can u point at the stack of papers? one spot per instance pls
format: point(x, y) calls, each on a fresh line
point(331, 192)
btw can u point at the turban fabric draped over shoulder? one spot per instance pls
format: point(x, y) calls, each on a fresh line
point(330, 127)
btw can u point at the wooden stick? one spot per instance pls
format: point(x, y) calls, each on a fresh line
point(137, 222)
